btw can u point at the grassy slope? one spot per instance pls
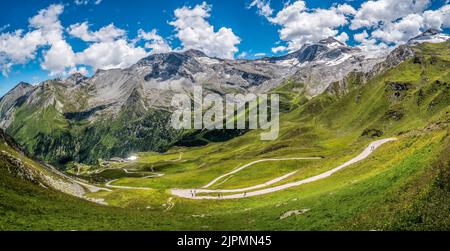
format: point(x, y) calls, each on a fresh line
point(404, 185)
point(363, 197)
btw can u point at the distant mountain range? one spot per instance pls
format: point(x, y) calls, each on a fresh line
point(121, 111)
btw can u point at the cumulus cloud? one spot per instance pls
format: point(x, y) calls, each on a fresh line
point(437, 19)
point(107, 48)
point(263, 7)
point(300, 25)
point(46, 30)
point(343, 37)
point(373, 13)
point(278, 49)
point(58, 58)
point(82, 70)
point(371, 46)
point(60, 55)
point(105, 34)
point(400, 31)
point(108, 55)
point(394, 22)
point(154, 41)
point(195, 32)
point(110, 47)
point(18, 48)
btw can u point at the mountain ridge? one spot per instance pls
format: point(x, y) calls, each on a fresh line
point(120, 111)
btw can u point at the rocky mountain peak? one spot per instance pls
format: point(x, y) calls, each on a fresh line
point(331, 43)
point(12, 97)
point(20, 89)
point(23, 84)
point(326, 51)
point(431, 31)
point(76, 78)
point(430, 36)
point(195, 53)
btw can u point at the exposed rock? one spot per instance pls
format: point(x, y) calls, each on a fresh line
point(17, 168)
point(293, 213)
point(397, 56)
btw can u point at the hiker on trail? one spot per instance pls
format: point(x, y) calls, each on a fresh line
point(245, 194)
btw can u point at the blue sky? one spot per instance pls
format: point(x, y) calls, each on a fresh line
point(247, 29)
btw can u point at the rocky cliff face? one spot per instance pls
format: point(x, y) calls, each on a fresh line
point(319, 65)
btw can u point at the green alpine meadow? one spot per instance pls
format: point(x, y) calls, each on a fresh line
point(363, 141)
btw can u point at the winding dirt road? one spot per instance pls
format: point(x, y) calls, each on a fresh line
point(191, 193)
point(251, 164)
point(134, 188)
point(242, 192)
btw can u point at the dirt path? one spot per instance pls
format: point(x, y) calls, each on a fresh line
point(135, 188)
point(187, 193)
point(251, 164)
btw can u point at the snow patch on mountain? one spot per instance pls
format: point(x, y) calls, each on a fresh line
point(429, 36)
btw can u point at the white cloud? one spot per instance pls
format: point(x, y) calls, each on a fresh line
point(300, 25)
point(18, 48)
point(109, 47)
point(82, 70)
point(105, 34)
point(46, 30)
point(371, 46)
point(346, 9)
point(58, 58)
point(263, 7)
point(155, 42)
point(437, 19)
point(372, 13)
point(60, 55)
point(400, 31)
point(360, 37)
point(279, 49)
point(48, 19)
point(86, 2)
point(394, 22)
point(109, 55)
point(195, 32)
point(343, 37)
point(260, 54)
